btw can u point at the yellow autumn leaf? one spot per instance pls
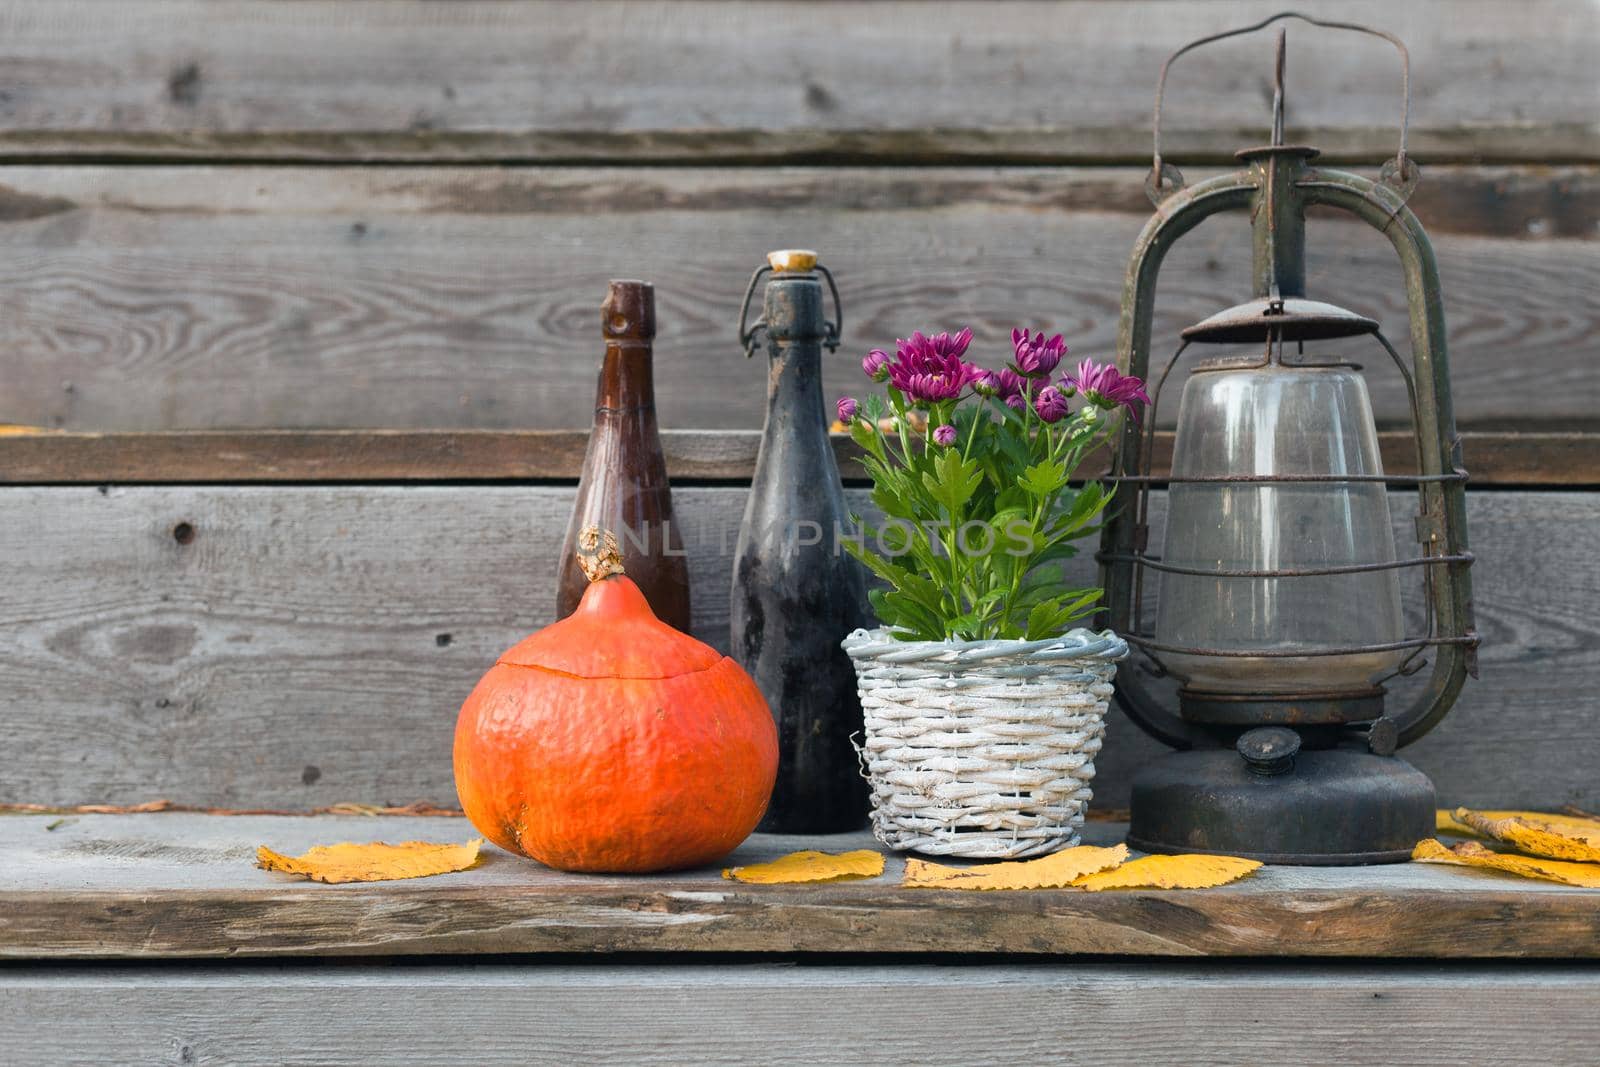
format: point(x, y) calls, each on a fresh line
point(1170, 872)
point(1054, 871)
point(1472, 854)
point(811, 867)
point(1557, 837)
point(375, 862)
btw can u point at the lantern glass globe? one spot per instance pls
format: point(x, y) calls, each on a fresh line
point(1278, 420)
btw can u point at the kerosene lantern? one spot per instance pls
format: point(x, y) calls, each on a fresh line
point(1278, 586)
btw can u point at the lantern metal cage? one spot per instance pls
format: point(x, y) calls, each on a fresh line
point(1301, 776)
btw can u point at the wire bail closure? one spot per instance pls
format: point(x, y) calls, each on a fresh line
point(804, 262)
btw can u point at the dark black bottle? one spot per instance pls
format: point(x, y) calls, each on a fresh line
point(796, 593)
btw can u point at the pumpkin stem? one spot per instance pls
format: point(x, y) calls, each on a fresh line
point(598, 553)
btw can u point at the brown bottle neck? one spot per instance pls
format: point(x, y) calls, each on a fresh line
point(627, 379)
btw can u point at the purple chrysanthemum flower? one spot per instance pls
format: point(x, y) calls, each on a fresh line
point(1050, 404)
point(1106, 387)
point(944, 436)
point(1016, 403)
point(1035, 356)
point(876, 365)
point(930, 369)
point(847, 409)
point(1004, 384)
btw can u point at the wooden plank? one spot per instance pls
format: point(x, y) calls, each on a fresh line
point(1048, 145)
point(1142, 1015)
point(385, 79)
point(200, 298)
point(173, 885)
point(55, 457)
point(294, 647)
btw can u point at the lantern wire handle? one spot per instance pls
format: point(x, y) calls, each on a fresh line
point(1399, 173)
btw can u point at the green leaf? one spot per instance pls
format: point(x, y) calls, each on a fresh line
point(891, 501)
point(882, 566)
point(921, 589)
point(1085, 602)
point(1043, 619)
point(1013, 542)
point(1039, 618)
point(1043, 576)
point(918, 587)
point(984, 603)
point(864, 433)
point(1049, 618)
point(1043, 478)
point(1012, 499)
point(1042, 584)
point(952, 480)
point(1056, 552)
point(1087, 504)
point(909, 620)
point(967, 627)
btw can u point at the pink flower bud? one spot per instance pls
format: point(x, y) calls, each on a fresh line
point(876, 365)
point(1050, 404)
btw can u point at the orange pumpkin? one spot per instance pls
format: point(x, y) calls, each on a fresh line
point(609, 741)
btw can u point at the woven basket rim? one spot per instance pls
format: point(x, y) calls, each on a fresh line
point(1076, 644)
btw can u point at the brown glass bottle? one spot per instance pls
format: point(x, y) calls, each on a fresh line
point(624, 484)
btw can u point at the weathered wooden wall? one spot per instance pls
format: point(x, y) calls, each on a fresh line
point(908, 80)
point(301, 646)
point(253, 218)
point(219, 295)
point(156, 298)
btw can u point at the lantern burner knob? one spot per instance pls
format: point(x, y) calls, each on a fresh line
point(1269, 749)
point(1383, 737)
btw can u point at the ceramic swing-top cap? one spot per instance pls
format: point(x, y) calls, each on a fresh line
point(792, 260)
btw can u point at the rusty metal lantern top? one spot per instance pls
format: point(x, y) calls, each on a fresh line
point(1293, 320)
point(1275, 185)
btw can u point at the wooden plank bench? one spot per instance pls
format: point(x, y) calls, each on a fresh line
point(178, 885)
point(972, 967)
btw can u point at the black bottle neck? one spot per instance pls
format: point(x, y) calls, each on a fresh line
point(795, 332)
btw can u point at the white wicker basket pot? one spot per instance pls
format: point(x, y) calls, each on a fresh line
point(982, 749)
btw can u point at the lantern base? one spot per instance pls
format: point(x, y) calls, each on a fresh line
point(1330, 807)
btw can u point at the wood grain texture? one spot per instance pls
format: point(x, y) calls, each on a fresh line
point(293, 647)
point(385, 79)
point(160, 886)
point(515, 1014)
point(55, 457)
point(196, 298)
